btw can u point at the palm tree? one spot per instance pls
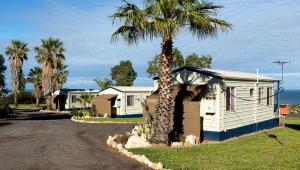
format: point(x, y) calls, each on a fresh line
point(61, 75)
point(35, 78)
point(49, 54)
point(17, 53)
point(103, 83)
point(165, 19)
point(85, 99)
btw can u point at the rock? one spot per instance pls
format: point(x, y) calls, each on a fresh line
point(175, 145)
point(114, 144)
point(197, 141)
point(106, 115)
point(119, 146)
point(136, 142)
point(157, 166)
point(109, 141)
point(135, 131)
point(190, 140)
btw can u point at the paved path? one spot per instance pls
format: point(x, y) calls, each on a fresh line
point(34, 140)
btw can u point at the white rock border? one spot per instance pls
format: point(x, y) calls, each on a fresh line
point(84, 121)
point(140, 158)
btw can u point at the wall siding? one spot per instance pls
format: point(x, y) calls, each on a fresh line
point(245, 111)
point(69, 104)
point(137, 106)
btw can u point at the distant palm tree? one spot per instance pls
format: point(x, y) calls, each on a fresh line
point(35, 78)
point(61, 75)
point(85, 99)
point(103, 83)
point(50, 54)
point(165, 19)
point(17, 53)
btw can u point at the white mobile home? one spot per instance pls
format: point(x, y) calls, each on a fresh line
point(122, 101)
point(228, 103)
point(66, 99)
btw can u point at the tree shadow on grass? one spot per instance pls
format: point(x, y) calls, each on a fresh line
point(293, 126)
point(274, 137)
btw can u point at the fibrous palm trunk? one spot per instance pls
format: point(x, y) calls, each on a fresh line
point(16, 66)
point(37, 96)
point(48, 84)
point(37, 102)
point(160, 127)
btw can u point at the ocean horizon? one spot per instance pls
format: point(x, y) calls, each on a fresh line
point(290, 97)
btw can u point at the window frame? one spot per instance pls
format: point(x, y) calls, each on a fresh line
point(73, 98)
point(230, 96)
point(269, 96)
point(130, 100)
point(260, 94)
point(251, 92)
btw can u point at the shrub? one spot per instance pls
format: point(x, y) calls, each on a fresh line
point(4, 107)
point(75, 112)
point(121, 139)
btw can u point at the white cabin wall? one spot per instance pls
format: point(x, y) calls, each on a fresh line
point(245, 111)
point(137, 106)
point(211, 122)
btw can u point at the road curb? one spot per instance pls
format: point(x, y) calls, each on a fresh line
point(104, 122)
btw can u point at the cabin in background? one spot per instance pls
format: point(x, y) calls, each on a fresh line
point(66, 99)
point(121, 101)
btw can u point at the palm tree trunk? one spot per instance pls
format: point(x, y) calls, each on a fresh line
point(37, 102)
point(16, 99)
point(49, 101)
point(161, 122)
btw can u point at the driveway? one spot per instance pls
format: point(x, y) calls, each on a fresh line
point(35, 140)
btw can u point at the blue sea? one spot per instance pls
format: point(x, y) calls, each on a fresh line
point(290, 97)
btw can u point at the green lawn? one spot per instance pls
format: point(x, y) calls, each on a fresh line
point(26, 106)
point(259, 151)
point(123, 120)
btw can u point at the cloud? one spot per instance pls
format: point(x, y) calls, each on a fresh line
point(263, 31)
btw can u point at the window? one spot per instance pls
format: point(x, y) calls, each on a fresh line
point(130, 100)
point(260, 94)
point(251, 92)
point(230, 98)
point(74, 99)
point(269, 95)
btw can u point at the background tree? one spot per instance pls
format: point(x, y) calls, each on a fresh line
point(2, 75)
point(123, 74)
point(35, 78)
point(51, 55)
point(22, 80)
point(103, 83)
point(17, 53)
point(165, 19)
point(153, 65)
point(85, 99)
point(60, 76)
point(194, 60)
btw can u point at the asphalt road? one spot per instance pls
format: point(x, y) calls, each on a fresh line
point(34, 140)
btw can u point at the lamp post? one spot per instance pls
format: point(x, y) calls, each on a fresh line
point(281, 63)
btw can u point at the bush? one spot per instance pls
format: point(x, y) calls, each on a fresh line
point(24, 97)
point(4, 107)
point(76, 113)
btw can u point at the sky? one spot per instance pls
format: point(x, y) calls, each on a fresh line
point(263, 31)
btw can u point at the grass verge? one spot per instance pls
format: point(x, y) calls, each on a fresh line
point(116, 120)
point(263, 150)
